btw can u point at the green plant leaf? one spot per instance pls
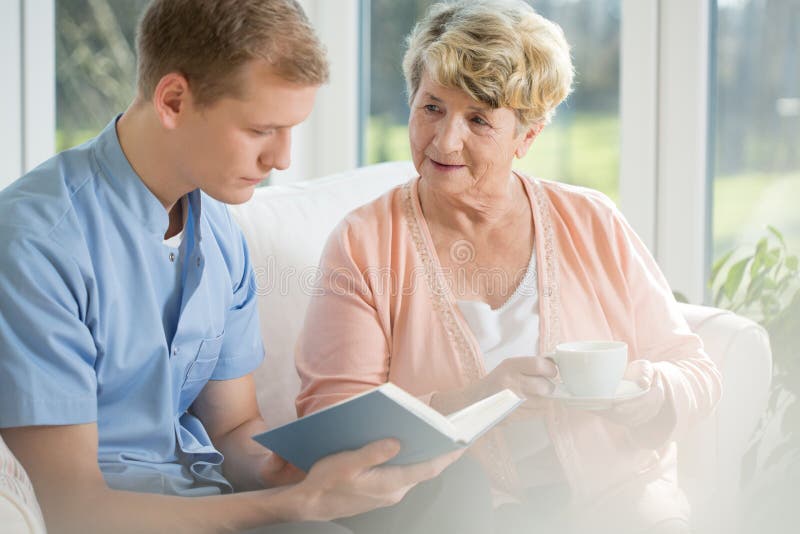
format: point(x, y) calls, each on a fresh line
point(772, 258)
point(759, 258)
point(718, 265)
point(718, 297)
point(734, 278)
point(783, 282)
point(774, 231)
point(761, 246)
point(755, 288)
point(791, 263)
point(770, 307)
point(770, 283)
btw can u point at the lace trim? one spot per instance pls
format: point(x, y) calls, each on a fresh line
point(550, 293)
point(501, 466)
point(439, 289)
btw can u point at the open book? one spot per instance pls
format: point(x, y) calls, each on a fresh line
point(386, 412)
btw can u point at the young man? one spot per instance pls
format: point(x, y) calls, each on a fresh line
point(128, 326)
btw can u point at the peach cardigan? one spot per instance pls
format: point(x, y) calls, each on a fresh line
point(382, 312)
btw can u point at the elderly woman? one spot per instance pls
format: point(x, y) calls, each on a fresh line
point(455, 285)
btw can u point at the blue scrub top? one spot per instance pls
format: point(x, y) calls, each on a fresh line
point(89, 299)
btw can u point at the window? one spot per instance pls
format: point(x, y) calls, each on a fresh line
point(756, 179)
point(581, 146)
point(95, 65)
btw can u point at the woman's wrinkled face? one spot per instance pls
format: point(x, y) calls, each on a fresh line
point(458, 143)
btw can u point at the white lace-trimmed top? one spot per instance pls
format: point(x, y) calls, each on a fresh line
point(508, 331)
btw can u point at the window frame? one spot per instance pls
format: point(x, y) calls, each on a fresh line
point(28, 95)
point(665, 105)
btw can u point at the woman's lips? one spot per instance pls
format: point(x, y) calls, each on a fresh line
point(445, 167)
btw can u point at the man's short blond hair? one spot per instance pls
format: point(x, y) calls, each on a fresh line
point(208, 41)
point(501, 53)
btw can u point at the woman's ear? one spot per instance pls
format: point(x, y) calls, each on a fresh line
point(527, 138)
point(171, 98)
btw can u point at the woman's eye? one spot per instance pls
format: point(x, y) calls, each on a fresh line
point(431, 107)
point(262, 133)
point(479, 121)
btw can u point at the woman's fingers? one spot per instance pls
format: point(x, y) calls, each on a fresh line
point(527, 376)
point(536, 386)
point(528, 366)
point(641, 372)
point(537, 366)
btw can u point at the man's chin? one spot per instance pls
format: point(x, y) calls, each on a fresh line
point(232, 196)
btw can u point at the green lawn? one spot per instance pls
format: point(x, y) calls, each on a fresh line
point(584, 150)
point(68, 139)
point(744, 204)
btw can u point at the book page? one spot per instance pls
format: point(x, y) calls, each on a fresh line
point(477, 418)
point(420, 409)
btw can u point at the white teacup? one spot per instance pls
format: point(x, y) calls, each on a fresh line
point(591, 368)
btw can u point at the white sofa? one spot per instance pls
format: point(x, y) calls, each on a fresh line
point(286, 227)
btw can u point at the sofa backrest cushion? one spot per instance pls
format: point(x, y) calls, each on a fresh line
point(286, 228)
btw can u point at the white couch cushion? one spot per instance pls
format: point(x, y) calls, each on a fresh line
point(286, 228)
point(19, 510)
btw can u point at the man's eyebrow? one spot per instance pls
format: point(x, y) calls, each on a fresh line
point(269, 126)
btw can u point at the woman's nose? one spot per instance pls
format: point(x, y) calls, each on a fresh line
point(449, 137)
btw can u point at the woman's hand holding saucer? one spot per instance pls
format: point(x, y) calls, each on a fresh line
point(643, 408)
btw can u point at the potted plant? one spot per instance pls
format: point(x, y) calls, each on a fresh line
point(763, 283)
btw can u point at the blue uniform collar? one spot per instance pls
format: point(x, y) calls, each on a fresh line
point(134, 194)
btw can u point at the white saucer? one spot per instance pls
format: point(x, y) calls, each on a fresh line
point(627, 390)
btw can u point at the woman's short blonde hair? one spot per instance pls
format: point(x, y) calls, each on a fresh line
point(501, 52)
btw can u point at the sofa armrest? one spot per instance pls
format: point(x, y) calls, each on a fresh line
point(710, 456)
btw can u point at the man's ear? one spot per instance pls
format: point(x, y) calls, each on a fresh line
point(527, 138)
point(171, 98)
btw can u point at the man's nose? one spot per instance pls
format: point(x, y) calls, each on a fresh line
point(277, 154)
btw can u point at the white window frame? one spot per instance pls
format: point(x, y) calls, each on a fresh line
point(664, 182)
point(327, 142)
point(10, 92)
point(27, 97)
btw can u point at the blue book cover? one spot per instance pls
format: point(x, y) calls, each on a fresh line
point(385, 412)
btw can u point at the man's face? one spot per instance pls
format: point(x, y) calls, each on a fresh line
point(233, 144)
